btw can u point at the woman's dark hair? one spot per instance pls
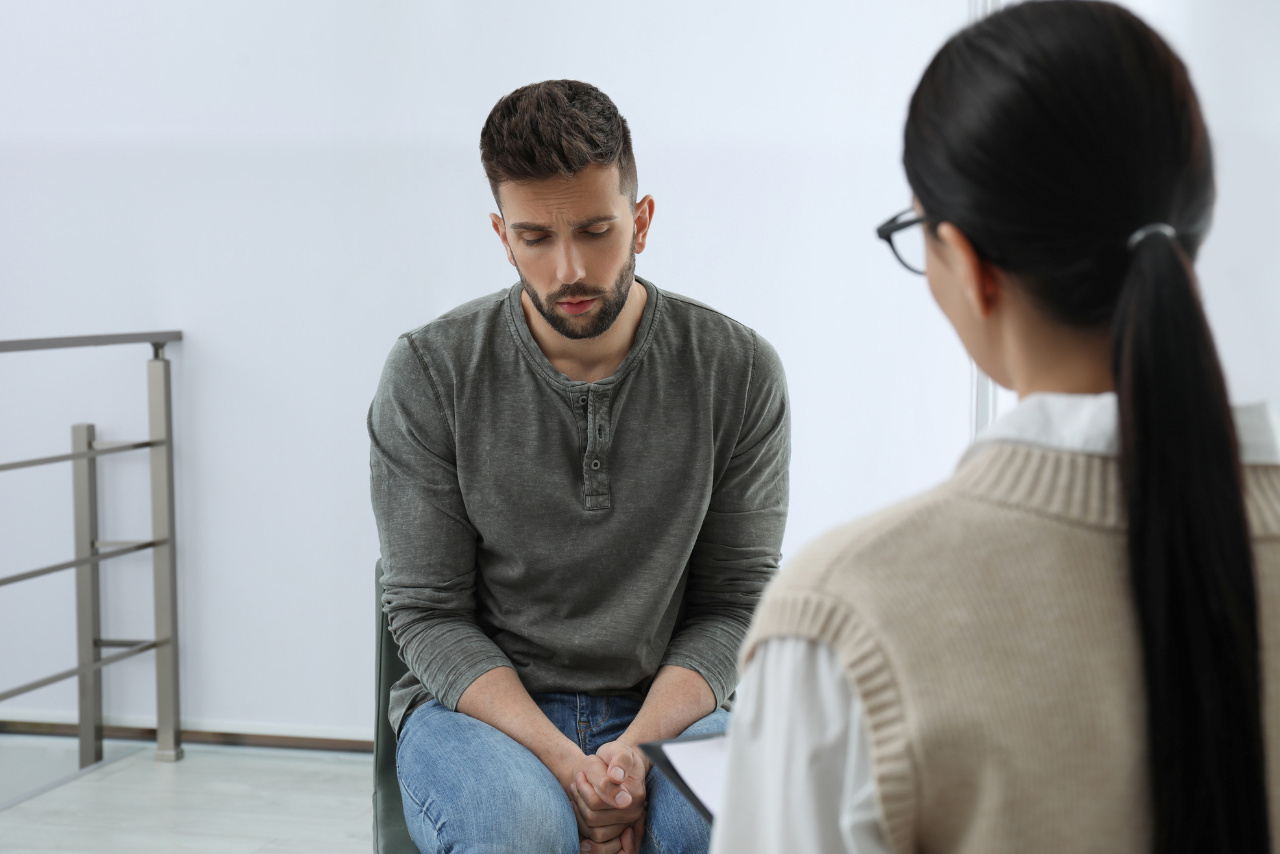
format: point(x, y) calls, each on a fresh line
point(1048, 134)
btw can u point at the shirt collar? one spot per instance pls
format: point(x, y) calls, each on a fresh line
point(1089, 424)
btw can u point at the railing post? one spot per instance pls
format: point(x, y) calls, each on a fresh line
point(160, 412)
point(84, 474)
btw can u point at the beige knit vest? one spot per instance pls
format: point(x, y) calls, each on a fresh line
point(989, 630)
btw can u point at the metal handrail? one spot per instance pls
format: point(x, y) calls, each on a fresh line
point(155, 339)
point(134, 649)
point(91, 551)
point(115, 448)
point(83, 561)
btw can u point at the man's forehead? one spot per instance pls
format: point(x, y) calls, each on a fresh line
point(593, 193)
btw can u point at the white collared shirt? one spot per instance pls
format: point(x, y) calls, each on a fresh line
point(798, 771)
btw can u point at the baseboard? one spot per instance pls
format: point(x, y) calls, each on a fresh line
point(195, 736)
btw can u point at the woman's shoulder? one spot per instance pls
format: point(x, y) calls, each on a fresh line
point(876, 542)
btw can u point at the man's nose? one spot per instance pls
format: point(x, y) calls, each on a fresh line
point(569, 267)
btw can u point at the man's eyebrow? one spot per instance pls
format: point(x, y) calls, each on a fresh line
point(595, 220)
point(586, 223)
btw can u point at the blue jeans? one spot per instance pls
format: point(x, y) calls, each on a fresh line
point(468, 788)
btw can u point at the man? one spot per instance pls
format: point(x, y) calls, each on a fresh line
point(580, 484)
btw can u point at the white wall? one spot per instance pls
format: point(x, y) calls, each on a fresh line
point(293, 184)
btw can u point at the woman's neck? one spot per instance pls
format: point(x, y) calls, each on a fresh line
point(1053, 357)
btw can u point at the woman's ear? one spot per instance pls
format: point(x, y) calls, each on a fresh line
point(971, 293)
point(978, 283)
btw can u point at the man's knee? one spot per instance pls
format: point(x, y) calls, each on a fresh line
point(674, 826)
point(716, 722)
point(540, 819)
point(469, 789)
point(498, 819)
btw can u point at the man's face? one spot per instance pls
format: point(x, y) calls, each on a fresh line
point(574, 243)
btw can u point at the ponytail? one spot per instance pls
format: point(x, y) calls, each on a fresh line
point(1190, 563)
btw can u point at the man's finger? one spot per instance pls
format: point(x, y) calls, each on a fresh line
point(610, 791)
point(625, 769)
point(594, 826)
point(589, 839)
point(628, 840)
point(613, 846)
point(611, 817)
point(589, 815)
point(605, 834)
point(605, 816)
point(588, 794)
point(621, 763)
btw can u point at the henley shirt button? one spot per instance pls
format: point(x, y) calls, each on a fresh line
point(595, 465)
point(582, 401)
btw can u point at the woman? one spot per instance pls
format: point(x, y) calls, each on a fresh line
point(1069, 645)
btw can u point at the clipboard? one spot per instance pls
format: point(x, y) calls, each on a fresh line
point(656, 752)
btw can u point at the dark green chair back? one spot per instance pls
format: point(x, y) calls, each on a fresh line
point(390, 836)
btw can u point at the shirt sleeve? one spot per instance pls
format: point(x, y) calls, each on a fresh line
point(740, 542)
point(428, 545)
point(798, 773)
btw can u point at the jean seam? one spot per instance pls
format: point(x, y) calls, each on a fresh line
point(653, 836)
point(435, 827)
point(419, 806)
point(577, 722)
point(404, 789)
point(413, 800)
point(603, 719)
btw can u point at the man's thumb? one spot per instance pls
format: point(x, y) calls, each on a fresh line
point(619, 762)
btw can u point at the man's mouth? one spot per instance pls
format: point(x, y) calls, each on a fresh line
point(577, 306)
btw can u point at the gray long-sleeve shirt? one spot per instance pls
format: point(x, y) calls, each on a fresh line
point(584, 534)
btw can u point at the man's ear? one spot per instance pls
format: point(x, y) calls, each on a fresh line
point(644, 218)
point(500, 228)
point(978, 278)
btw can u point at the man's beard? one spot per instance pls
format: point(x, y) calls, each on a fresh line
point(611, 302)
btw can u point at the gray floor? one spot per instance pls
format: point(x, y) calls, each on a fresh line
point(218, 800)
point(29, 763)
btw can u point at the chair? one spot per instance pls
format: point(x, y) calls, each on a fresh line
point(390, 835)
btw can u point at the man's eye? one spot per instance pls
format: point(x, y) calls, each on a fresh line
point(596, 233)
point(534, 242)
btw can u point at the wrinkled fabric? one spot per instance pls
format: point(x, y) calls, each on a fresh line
point(584, 534)
point(468, 788)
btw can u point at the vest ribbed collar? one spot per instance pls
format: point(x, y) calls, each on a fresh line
point(1076, 487)
point(1084, 489)
point(1056, 454)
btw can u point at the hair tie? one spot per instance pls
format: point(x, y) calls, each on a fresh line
point(1148, 230)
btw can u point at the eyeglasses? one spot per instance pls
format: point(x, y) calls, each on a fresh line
point(906, 241)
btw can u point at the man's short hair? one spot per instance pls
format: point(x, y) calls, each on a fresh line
point(556, 127)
